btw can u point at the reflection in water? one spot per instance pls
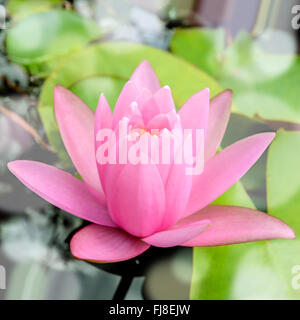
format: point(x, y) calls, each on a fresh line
point(40, 266)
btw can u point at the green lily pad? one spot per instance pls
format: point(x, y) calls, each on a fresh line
point(88, 89)
point(19, 9)
point(264, 84)
point(105, 68)
point(265, 269)
point(254, 180)
point(205, 48)
point(213, 268)
point(283, 178)
point(39, 40)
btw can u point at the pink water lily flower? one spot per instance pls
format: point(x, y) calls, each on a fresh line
point(132, 207)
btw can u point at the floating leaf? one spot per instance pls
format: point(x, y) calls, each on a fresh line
point(254, 180)
point(205, 48)
point(39, 40)
point(214, 267)
point(266, 269)
point(283, 178)
point(19, 9)
point(263, 83)
point(88, 89)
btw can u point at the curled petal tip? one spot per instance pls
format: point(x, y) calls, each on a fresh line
point(288, 233)
point(269, 136)
point(145, 77)
point(228, 94)
point(229, 91)
point(59, 88)
point(284, 231)
point(16, 167)
point(145, 62)
point(11, 165)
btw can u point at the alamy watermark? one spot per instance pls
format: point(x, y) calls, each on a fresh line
point(2, 17)
point(2, 278)
point(296, 278)
point(136, 145)
point(296, 17)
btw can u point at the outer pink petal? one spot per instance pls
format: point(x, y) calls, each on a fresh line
point(103, 116)
point(61, 189)
point(225, 169)
point(177, 235)
point(129, 94)
point(231, 225)
point(76, 125)
point(103, 120)
point(104, 244)
point(111, 171)
point(137, 202)
point(194, 114)
point(219, 114)
point(178, 189)
point(145, 77)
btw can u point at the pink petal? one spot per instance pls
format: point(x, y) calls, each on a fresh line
point(61, 189)
point(177, 235)
point(129, 94)
point(164, 167)
point(137, 202)
point(149, 109)
point(194, 114)
point(225, 169)
point(145, 77)
point(161, 121)
point(219, 114)
point(111, 171)
point(136, 118)
point(104, 244)
point(136, 112)
point(76, 125)
point(103, 120)
point(103, 117)
point(163, 98)
point(178, 189)
point(231, 225)
point(144, 95)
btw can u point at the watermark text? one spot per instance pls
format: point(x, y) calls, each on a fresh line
point(2, 278)
point(296, 17)
point(159, 147)
point(296, 278)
